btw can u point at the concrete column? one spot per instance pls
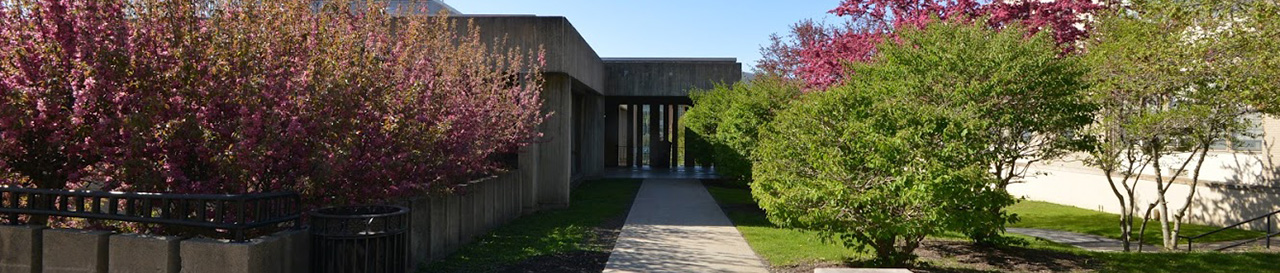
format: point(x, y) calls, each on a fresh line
point(675, 135)
point(595, 135)
point(633, 138)
point(75, 251)
point(611, 123)
point(556, 149)
point(655, 114)
point(20, 249)
point(624, 134)
point(133, 253)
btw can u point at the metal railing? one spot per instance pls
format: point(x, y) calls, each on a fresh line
point(1270, 223)
point(226, 215)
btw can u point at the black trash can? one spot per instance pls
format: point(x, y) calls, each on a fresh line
point(360, 239)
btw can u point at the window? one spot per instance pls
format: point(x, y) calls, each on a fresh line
point(1248, 139)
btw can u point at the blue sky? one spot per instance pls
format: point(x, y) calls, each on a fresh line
point(668, 28)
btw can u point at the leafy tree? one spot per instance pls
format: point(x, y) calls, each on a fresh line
point(1173, 78)
point(232, 96)
point(729, 117)
point(1031, 100)
point(816, 53)
point(885, 160)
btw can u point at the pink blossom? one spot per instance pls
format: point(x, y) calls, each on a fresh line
point(255, 99)
point(816, 53)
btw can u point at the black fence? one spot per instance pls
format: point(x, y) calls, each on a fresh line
point(1267, 219)
point(230, 216)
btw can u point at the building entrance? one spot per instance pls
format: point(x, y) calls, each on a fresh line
point(648, 133)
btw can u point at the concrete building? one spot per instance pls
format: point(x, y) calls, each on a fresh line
point(606, 112)
point(1240, 180)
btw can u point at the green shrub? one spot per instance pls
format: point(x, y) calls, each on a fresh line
point(874, 164)
point(729, 118)
point(1030, 96)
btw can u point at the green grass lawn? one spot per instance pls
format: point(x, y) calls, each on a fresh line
point(546, 233)
point(778, 246)
point(794, 248)
point(1036, 214)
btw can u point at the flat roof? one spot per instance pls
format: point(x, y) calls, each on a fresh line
point(667, 59)
point(497, 15)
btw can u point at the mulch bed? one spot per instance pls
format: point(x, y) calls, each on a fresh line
point(578, 261)
point(966, 257)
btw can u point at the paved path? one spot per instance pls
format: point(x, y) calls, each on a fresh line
point(1081, 240)
point(675, 226)
point(1099, 243)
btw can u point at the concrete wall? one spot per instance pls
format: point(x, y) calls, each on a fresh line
point(667, 77)
point(1215, 204)
point(1234, 185)
point(566, 51)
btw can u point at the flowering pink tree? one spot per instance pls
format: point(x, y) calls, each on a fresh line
point(816, 53)
point(342, 105)
point(59, 83)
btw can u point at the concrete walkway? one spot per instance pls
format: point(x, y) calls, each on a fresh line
point(1099, 243)
point(676, 226)
point(1081, 240)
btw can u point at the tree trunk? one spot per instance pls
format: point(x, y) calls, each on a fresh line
point(1163, 215)
point(1195, 180)
point(1142, 231)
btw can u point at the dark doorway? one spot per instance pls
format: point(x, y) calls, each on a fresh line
point(646, 132)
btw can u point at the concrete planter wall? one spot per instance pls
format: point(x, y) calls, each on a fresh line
point(443, 224)
point(20, 249)
point(33, 249)
point(143, 254)
point(286, 251)
point(75, 251)
point(440, 225)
